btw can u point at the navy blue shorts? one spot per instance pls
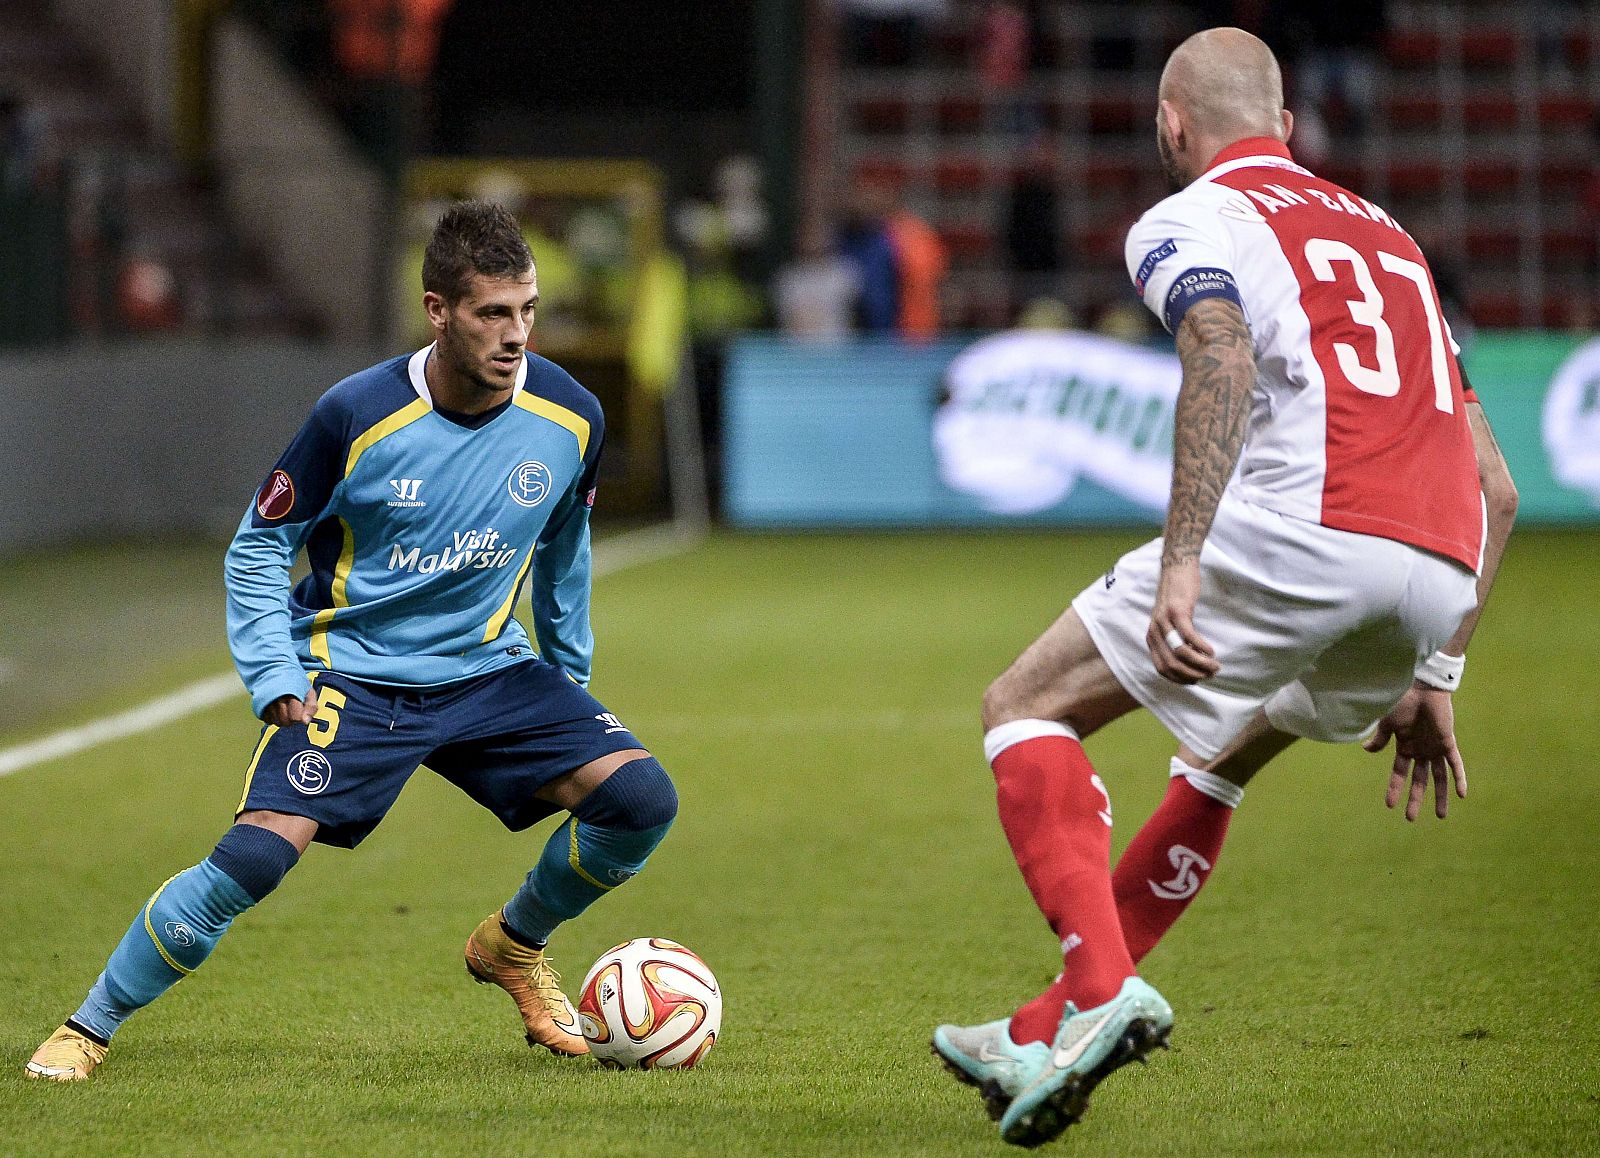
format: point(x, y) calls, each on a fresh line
point(498, 737)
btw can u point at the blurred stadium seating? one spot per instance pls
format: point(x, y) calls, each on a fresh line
point(145, 243)
point(1480, 142)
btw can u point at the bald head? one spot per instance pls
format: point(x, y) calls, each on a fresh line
point(1220, 86)
point(1227, 81)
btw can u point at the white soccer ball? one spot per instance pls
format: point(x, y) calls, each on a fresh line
point(650, 1003)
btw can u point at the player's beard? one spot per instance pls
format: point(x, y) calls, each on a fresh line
point(460, 362)
point(1169, 163)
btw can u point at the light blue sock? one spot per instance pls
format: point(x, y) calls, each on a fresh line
point(581, 863)
point(169, 939)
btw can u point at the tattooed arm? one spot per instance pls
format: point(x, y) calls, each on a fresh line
point(1219, 370)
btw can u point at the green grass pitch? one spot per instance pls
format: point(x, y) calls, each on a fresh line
point(1347, 984)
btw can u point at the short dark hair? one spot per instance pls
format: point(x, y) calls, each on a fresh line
point(473, 237)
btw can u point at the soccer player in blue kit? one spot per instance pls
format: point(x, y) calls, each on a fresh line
point(426, 492)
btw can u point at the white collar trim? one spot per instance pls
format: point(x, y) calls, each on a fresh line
point(417, 366)
point(1263, 160)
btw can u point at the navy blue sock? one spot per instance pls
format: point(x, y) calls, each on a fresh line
point(607, 841)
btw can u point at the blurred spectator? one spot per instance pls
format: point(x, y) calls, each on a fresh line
point(864, 243)
point(387, 39)
point(1033, 214)
point(1310, 143)
point(900, 263)
point(921, 261)
point(743, 206)
point(34, 237)
point(815, 295)
point(889, 32)
point(720, 303)
point(385, 50)
point(1004, 53)
point(597, 237)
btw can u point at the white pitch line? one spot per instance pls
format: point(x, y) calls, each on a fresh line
point(611, 555)
point(186, 701)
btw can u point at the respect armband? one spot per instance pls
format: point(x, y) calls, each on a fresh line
point(1442, 671)
point(1196, 285)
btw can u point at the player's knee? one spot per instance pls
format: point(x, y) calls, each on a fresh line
point(637, 796)
point(256, 858)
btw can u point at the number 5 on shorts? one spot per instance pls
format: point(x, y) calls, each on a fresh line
point(324, 726)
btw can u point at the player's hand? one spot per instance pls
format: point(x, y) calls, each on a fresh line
point(1194, 659)
point(1423, 725)
point(286, 710)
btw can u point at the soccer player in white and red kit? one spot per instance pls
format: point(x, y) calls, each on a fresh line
point(1338, 511)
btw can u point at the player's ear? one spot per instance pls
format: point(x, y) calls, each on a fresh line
point(1167, 112)
point(1288, 125)
point(436, 307)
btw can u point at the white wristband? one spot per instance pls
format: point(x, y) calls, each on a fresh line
point(1442, 671)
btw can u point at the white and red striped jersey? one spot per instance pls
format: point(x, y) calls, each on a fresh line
point(1358, 420)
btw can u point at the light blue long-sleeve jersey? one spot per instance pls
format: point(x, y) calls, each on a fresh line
point(420, 530)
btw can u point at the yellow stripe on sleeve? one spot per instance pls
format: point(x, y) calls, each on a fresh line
point(560, 415)
point(403, 417)
point(341, 598)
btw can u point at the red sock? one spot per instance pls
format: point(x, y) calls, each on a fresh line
point(1162, 869)
point(1057, 818)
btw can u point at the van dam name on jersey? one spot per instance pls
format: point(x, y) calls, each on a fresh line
point(1273, 198)
point(469, 550)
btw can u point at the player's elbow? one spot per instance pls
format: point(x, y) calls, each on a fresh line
point(1500, 496)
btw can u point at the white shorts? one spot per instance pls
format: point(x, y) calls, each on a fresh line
point(1322, 628)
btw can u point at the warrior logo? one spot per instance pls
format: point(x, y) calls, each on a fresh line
point(1187, 866)
point(309, 772)
point(405, 492)
point(181, 934)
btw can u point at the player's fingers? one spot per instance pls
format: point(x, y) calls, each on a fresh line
point(1188, 669)
point(1379, 740)
point(307, 708)
point(1191, 652)
point(1397, 781)
point(1189, 635)
point(1459, 767)
point(1182, 668)
point(1163, 640)
point(1203, 662)
point(1419, 788)
point(1441, 787)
